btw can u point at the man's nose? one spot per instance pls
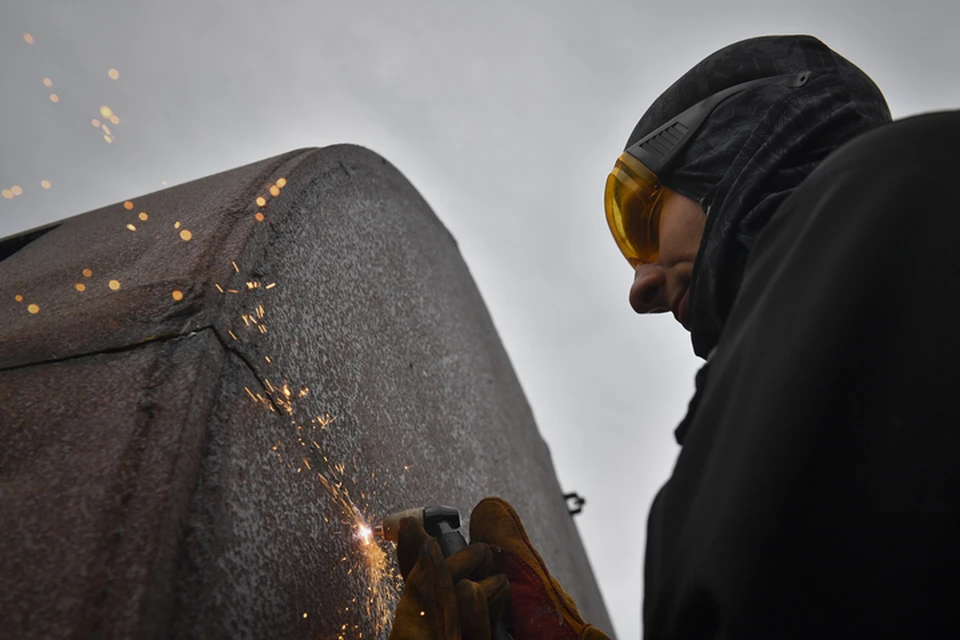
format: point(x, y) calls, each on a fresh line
point(647, 294)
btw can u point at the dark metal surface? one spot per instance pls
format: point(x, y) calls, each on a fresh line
point(145, 492)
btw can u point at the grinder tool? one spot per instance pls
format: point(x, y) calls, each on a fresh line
point(443, 523)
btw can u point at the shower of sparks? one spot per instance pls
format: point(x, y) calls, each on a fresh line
point(113, 73)
point(7, 194)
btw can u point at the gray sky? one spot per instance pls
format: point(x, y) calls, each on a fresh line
point(506, 116)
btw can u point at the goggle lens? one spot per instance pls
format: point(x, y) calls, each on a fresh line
point(632, 200)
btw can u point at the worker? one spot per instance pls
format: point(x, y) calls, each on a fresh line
point(809, 245)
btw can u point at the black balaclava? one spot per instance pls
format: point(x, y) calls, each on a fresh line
point(754, 150)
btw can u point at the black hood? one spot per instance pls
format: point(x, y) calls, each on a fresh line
point(754, 150)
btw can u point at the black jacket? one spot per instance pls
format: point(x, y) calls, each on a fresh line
point(817, 491)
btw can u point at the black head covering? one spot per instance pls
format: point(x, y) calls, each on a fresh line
point(754, 150)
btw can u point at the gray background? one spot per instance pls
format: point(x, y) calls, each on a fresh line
point(506, 116)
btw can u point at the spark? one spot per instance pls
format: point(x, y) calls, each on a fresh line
point(115, 285)
point(7, 194)
point(87, 273)
point(185, 235)
point(219, 288)
point(108, 139)
point(18, 298)
point(176, 225)
point(17, 190)
point(259, 216)
point(261, 201)
point(233, 336)
point(271, 285)
point(80, 286)
point(32, 308)
point(115, 119)
point(106, 129)
point(143, 216)
point(267, 358)
point(304, 614)
point(235, 267)
point(274, 190)
point(128, 205)
point(54, 97)
point(47, 82)
point(28, 38)
point(281, 182)
point(95, 123)
point(113, 73)
point(106, 112)
point(177, 295)
point(131, 227)
point(45, 184)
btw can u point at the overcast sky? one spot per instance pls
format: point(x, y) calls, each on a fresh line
point(506, 115)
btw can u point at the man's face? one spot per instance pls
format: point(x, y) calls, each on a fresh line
point(663, 285)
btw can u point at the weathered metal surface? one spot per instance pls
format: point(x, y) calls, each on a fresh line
point(156, 480)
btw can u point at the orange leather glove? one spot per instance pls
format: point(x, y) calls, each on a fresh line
point(539, 607)
point(445, 599)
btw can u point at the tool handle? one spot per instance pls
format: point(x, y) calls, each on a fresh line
point(452, 541)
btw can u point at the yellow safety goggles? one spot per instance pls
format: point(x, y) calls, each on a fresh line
point(632, 200)
point(634, 196)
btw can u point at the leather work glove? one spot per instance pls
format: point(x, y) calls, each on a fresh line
point(445, 599)
point(539, 607)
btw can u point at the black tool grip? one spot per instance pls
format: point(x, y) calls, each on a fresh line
point(452, 541)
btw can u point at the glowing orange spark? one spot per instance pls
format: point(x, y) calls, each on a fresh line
point(45, 184)
point(32, 308)
point(281, 182)
point(28, 38)
point(128, 205)
point(185, 235)
point(54, 97)
point(80, 286)
point(18, 298)
point(47, 82)
point(176, 225)
point(115, 285)
point(113, 73)
point(106, 129)
point(115, 119)
point(259, 216)
point(106, 112)
point(261, 201)
point(143, 215)
point(177, 295)
point(95, 123)
point(87, 273)
point(274, 190)
point(235, 267)
point(108, 139)
point(233, 336)
point(219, 288)
point(131, 227)
point(7, 194)
point(16, 190)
